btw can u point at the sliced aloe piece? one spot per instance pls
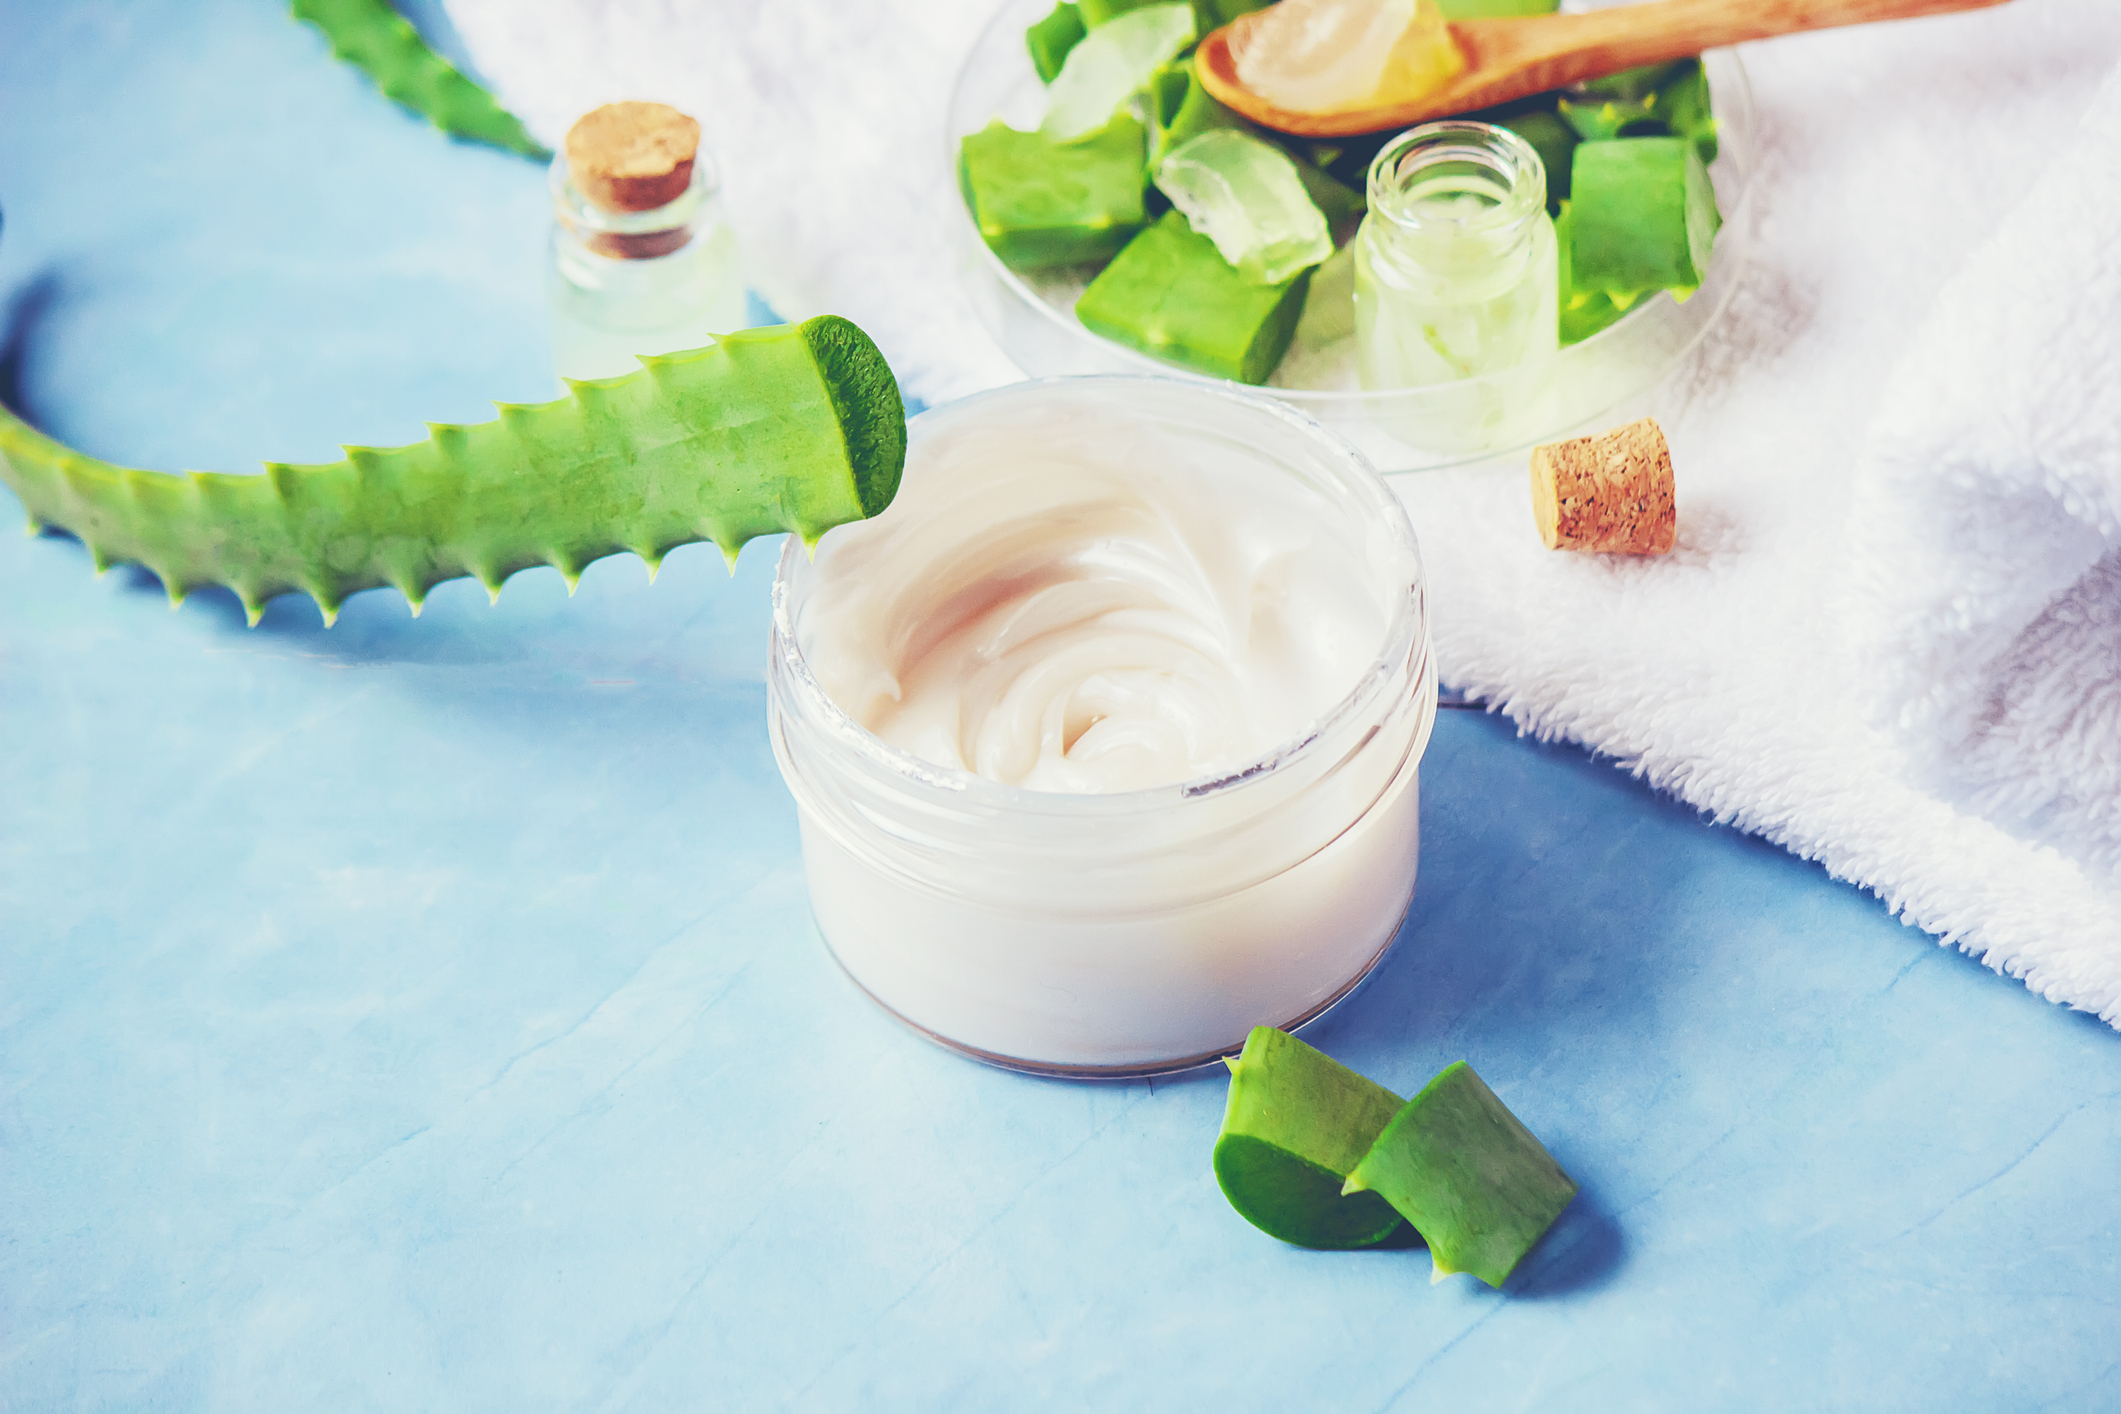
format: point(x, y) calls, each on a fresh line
point(1214, 14)
point(1683, 103)
point(1103, 12)
point(1478, 1187)
point(1040, 204)
point(1194, 112)
point(1051, 39)
point(1642, 217)
point(1172, 295)
point(1296, 1125)
point(1182, 110)
point(380, 42)
point(1244, 194)
point(1582, 312)
point(1113, 63)
point(1554, 141)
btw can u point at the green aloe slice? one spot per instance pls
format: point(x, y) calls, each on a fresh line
point(1114, 62)
point(1684, 105)
point(1554, 141)
point(377, 40)
point(1172, 295)
point(1582, 312)
point(1246, 196)
point(1296, 1125)
point(1472, 1179)
point(1214, 14)
point(1040, 204)
point(1103, 12)
point(797, 428)
point(1642, 217)
point(1052, 37)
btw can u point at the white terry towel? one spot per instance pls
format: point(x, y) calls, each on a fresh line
point(1984, 570)
point(1818, 661)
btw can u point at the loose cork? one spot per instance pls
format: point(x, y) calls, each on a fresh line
point(632, 156)
point(1609, 494)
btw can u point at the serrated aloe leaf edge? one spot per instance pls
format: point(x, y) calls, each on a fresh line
point(795, 428)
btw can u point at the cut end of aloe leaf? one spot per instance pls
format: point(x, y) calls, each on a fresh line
point(1296, 1124)
point(866, 399)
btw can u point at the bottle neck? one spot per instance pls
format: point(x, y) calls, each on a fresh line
point(1455, 199)
point(585, 232)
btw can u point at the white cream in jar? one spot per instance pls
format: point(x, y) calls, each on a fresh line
point(1104, 736)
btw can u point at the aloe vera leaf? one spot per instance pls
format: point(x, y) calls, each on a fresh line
point(1184, 110)
point(380, 42)
point(1170, 294)
point(1101, 12)
point(1039, 204)
point(1476, 1184)
point(1684, 105)
point(1582, 312)
point(1114, 62)
point(795, 427)
point(1052, 37)
point(1296, 1125)
point(1244, 194)
point(1642, 217)
point(1554, 141)
point(1214, 14)
point(1197, 111)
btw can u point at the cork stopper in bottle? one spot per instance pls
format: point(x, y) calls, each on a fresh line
point(1611, 493)
point(632, 156)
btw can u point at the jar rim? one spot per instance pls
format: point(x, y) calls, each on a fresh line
point(1406, 634)
point(1488, 145)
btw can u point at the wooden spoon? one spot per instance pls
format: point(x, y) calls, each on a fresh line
point(1508, 59)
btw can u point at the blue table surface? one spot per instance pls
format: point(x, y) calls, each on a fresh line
point(425, 1014)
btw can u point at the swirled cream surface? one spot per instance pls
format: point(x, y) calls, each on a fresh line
point(1078, 605)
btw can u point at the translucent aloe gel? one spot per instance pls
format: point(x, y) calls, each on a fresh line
point(1455, 271)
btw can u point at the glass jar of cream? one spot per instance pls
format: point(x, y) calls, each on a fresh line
point(1104, 737)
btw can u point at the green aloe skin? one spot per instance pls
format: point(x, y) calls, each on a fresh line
point(795, 428)
point(1170, 293)
point(1472, 1179)
point(1040, 204)
point(1297, 1124)
point(377, 40)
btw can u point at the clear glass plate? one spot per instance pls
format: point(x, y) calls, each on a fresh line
point(1410, 429)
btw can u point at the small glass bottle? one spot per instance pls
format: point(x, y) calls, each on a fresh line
point(1455, 271)
point(642, 262)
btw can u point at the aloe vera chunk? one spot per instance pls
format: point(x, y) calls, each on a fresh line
point(1642, 217)
point(1052, 37)
point(1196, 111)
point(1554, 141)
point(1214, 14)
point(1170, 294)
point(380, 42)
point(1244, 194)
point(1100, 12)
point(797, 428)
point(1114, 62)
point(1296, 1125)
point(1684, 105)
point(1476, 1184)
point(1582, 312)
point(1040, 204)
